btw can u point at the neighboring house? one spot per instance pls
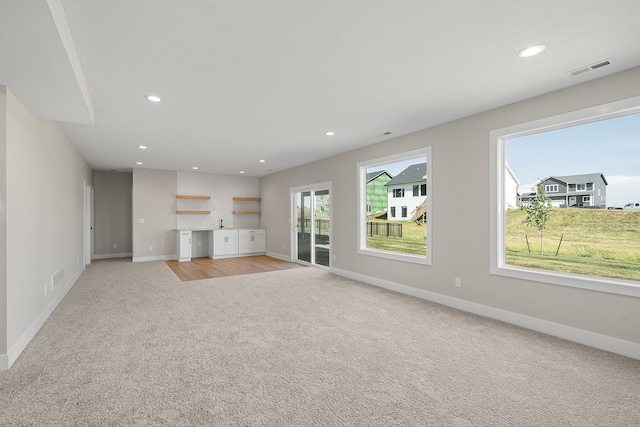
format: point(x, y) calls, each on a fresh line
point(579, 190)
point(322, 205)
point(511, 184)
point(377, 192)
point(406, 192)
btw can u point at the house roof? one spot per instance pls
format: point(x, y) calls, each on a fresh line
point(412, 174)
point(580, 179)
point(373, 175)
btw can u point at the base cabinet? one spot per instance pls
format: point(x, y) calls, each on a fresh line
point(252, 241)
point(184, 246)
point(225, 242)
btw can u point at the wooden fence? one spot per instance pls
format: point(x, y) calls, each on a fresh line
point(384, 229)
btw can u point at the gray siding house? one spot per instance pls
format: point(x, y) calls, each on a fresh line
point(573, 190)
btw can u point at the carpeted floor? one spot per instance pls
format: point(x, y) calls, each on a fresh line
point(132, 345)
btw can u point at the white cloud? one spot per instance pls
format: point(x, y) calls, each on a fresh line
point(622, 190)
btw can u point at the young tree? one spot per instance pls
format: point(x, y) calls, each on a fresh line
point(538, 212)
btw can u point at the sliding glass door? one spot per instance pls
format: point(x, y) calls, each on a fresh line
point(311, 228)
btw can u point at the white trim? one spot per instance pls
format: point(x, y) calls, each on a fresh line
point(7, 360)
point(244, 254)
point(154, 258)
point(592, 339)
point(108, 256)
point(362, 166)
point(293, 220)
point(497, 140)
point(278, 256)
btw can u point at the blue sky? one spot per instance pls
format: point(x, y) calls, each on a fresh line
point(611, 147)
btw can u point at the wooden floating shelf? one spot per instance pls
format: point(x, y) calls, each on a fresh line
point(193, 212)
point(186, 196)
point(248, 199)
point(247, 212)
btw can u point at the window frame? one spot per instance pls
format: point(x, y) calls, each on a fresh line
point(497, 139)
point(548, 186)
point(361, 169)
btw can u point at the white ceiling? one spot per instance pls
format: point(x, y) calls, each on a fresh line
point(247, 80)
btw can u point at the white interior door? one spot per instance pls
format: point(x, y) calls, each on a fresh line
point(88, 223)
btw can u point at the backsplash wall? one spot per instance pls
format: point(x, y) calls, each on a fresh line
point(221, 189)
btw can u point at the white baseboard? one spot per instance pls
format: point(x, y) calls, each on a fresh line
point(278, 256)
point(154, 258)
point(592, 339)
point(7, 360)
point(108, 256)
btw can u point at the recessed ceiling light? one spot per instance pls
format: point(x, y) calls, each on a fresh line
point(138, 163)
point(531, 51)
point(241, 171)
point(195, 168)
point(142, 147)
point(153, 98)
point(329, 133)
point(262, 160)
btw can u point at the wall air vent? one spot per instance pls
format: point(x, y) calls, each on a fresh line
point(56, 278)
point(592, 67)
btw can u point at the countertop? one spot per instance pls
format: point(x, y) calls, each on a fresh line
point(218, 228)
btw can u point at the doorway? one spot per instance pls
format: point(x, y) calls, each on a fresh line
point(311, 225)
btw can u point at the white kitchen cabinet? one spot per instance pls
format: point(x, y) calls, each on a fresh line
point(184, 246)
point(252, 241)
point(225, 242)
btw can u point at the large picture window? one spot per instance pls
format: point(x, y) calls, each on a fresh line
point(541, 229)
point(399, 187)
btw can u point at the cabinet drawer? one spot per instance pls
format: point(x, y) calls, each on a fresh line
point(252, 232)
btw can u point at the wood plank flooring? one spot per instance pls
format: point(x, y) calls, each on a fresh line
point(207, 268)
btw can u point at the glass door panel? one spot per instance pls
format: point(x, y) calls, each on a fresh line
point(303, 219)
point(321, 227)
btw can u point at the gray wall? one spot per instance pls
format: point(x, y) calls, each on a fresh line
point(3, 225)
point(112, 214)
point(154, 201)
point(44, 203)
point(461, 238)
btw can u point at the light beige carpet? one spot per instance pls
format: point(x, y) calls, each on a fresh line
point(132, 345)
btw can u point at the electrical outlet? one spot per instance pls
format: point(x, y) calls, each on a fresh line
point(150, 248)
point(115, 246)
point(334, 257)
point(458, 282)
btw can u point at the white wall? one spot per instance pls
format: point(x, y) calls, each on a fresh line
point(154, 202)
point(461, 237)
point(44, 206)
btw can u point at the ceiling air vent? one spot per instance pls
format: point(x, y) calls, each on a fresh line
point(592, 67)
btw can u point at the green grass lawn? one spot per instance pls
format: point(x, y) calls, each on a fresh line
point(597, 242)
point(413, 240)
